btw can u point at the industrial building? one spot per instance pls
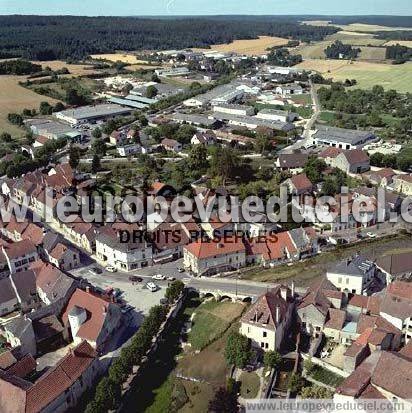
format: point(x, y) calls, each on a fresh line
point(234, 109)
point(198, 120)
point(92, 114)
point(280, 115)
point(253, 122)
point(53, 130)
point(342, 138)
point(219, 95)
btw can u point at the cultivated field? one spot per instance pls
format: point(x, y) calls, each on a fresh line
point(128, 58)
point(407, 43)
point(372, 53)
point(367, 74)
point(76, 70)
point(15, 98)
point(249, 47)
point(355, 27)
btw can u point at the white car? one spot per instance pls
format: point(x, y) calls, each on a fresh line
point(158, 277)
point(152, 287)
point(111, 269)
point(371, 235)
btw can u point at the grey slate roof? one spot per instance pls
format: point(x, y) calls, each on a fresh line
point(7, 292)
point(332, 134)
point(355, 266)
point(25, 284)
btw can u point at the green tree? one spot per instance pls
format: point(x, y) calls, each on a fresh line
point(58, 107)
point(295, 382)
point(99, 147)
point(223, 402)
point(174, 290)
point(272, 359)
point(74, 157)
point(95, 163)
point(314, 168)
point(185, 134)
point(316, 392)
point(6, 137)
point(97, 133)
point(151, 92)
point(197, 160)
point(238, 349)
point(223, 163)
point(308, 364)
point(107, 393)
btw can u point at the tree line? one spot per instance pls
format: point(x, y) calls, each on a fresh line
point(63, 37)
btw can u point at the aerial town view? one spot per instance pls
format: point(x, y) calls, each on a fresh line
point(205, 206)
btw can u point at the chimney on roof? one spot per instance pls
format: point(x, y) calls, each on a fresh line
point(87, 289)
point(277, 314)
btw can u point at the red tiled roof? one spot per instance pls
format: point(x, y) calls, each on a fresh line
point(330, 152)
point(6, 359)
point(301, 182)
point(60, 378)
point(203, 249)
point(58, 251)
point(336, 319)
point(33, 233)
point(41, 139)
point(357, 300)
point(96, 309)
point(19, 249)
point(354, 156)
point(263, 312)
point(23, 367)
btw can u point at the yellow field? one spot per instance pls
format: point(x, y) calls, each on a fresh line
point(372, 53)
point(407, 43)
point(15, 98)
point(249, 47)
point(355, 27)
point(76, 70)
point(398, 77)
point(119, 57)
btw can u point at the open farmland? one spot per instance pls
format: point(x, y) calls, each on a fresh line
point(128, 58)
point(250, 47)
point(372, 53)
point(15, 98)
point(74, 69)
point(355, 27)
point(407, 43)
point(398, 77)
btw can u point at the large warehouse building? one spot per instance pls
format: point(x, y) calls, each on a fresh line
point(92, 114)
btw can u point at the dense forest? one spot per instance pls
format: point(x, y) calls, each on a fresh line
point(338, 50)
point(68, 37)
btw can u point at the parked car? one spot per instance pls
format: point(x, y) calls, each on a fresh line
point(152, 287)
point(135, 279)
point(95, 270)
point(111, 269)
point(159, 277)
point(171, 278)
point(371, 234)
point(180, 269)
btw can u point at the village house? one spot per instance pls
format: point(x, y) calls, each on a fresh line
point(352, 275)
point(91, 318)
point(63, 256)
point(292, 162)
point(203, 138)
point(383, 177)
point(81, 233)
point(57, 390)
point(126, 255)
point(395, 266)
point(171, 145)
point(19, 334)
point(299, 185)
point(266, 323)
point(20, 255)
point(403, 184)
point(54, 287)
point(209, 257)
point(290, 89)
point(353, 161)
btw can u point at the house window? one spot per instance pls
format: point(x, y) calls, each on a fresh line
point(340, 280)
point(347, 280)
point(265, 334)
point(266, 345)
point(262, 345)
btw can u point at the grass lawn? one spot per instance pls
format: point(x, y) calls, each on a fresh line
point(199, 395)
point(367, 74)
point(304, 272)
point(250, 384)
point(325, 376)
point(327, 116)
point(211, 320)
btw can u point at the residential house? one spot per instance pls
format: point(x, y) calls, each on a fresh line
point(53, 286)
point(403, 184)
point(19, 333)
point(289, 89)
point(8, 298)
point(266, 323)
point(353, 161)
point(396, 307)
point(313, 309)
point(171, 145)
point(123, 254)
point(64, 257)
point(91, 318)
point(395, 266)
point(204, 138)
point(81, 233)
point(57, 390)
point(128, 150)
point(20, 255)
point(383, 177)
point(299, 185)
point(292, 162)
point(209, 257)
point(352, 275)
